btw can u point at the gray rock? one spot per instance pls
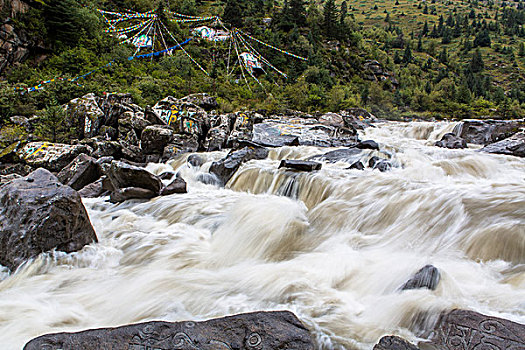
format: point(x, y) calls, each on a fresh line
point(124, 194)
point(513, 146)
point(475, 331)
point(176, 186)
point(82, 171)
point(368, 144)
point(107, 149)
point(259, 330)
point(394, 343)
point(357, 165)
point(155, 138)
point(196, 160)
point(168, 175)
point(93, 190)
point(348, 155)
point(181, 144)
point(202, 100)
point(301, 165)
point(123, 175)
point(484, 132)
point(38, 214)
point(52, 156)
point(225, 168)
point(450, 140)
point(381, 164)
point(428, 277)
point(208, 179)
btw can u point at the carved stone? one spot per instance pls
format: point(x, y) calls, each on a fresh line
point(253, 331)
point(468, 330)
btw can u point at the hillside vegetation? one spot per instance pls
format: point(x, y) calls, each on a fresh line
point(435, 59)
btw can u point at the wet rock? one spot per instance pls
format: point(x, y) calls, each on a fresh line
point(176, 186)
point(93, 190)
point(168, 175)
point(348, 155)
point(124, 194)
point(358, 118)
point(357, 166)
point(196, 160)
point(450, 140)
point(475, 331)
point(153, 158)
point(51, 156)
point(428, 277)
point(484, 132)
point(217, 137)
point(123, 175)
point(180, 144)
point(512, 146)
point(38, 214)
point(155, 138)
point(368, 144)
point(9, 154)
point(225, 168)
point(82, 171)
point(301, 165)
point(394, 343)
point(381, 164)
point(259, 330)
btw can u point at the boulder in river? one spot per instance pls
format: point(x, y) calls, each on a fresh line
point(253, 331)
point(176, 186)
point(394, 343)
point(368, 144)
point(462, 329)
point(484, 132)
point(381, 164)
point(225, 168)
point(450, 140)
point(82, 171)
point(38, 214)
point(93, 190)
point(348, 155)
point(301, 165)
point(357, 166)
point(123, 175)
point(513, 146)
point(428, 277)
point(124, 194)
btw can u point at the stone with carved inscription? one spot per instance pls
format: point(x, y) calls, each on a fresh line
point(468, 330)
point(252, 331)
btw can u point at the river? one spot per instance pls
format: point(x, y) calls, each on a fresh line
point(334, 247)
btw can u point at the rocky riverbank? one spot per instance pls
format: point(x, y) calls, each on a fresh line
point(42, 182)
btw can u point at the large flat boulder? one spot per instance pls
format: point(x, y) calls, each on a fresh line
point(450, 140)
point(512, 146)
point(38, 214)
point(253, 331)
point(123, 175)
point(155, 138)
point(484, 132)
point(51, 156)
point(468, 330)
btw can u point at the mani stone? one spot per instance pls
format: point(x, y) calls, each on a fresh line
point(468, 330)
point(394, 343)
point(252, 331)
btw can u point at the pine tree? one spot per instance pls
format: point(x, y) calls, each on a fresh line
point(482, 39)
point(521, 51)
point(476, 63)
point(407, 55)
point(233, 13)
point(419, 45)
point(330, 19)
point(424, 32)
point(298, 12)
point(443, 56)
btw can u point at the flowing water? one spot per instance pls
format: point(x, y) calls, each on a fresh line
point(333, 246)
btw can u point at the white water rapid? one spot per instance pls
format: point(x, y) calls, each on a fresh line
point(334, 247)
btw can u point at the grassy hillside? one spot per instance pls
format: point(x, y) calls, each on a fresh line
point(443, 59)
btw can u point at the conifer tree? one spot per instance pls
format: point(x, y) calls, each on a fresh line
point(330, 19)
point(476, 63)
